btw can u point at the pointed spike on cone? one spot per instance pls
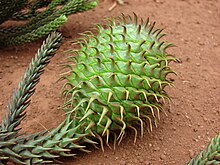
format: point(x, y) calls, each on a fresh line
point(151, 45)
point(159, 46)
point(109, 21)
point(104, 112)
point(79, 104)
point(83, 41)
point(88, 32)
point(127, 95)
point(101, 141)
point(124, 30)
point(86, 54)
point(98, 27)
point(138, 109)
point(121, 138)
point(89, 141)
point(130, 19)
point(151, 28)
point(113, 61)
point(99, 60)
point(162, 97)
point(129, 77)
point(111, 30)
point(85, 66)
point(89, 112)
point(160, 36)
point(110, 37)
point(89, 103)
point(111, 48)
point(122, 111)
point(150, 122)
point(142, 125)
point(155, 31)
point(119, 20)
point(152, 110)
point(84, 150)
point(122, 129)
point(91, 133)
point(112, 75)
point(107, 126)
point(115, 140)
point(66, 154)
point(142, 22)
point(141, 44)
point(158, 113)
point(135, 19)
point(160, 85)
point(124, 18)
point(107, 138)
point(168, 46)
point(145, 96)
point(110, 94)
point(158, 32)
point(129, 50)
point(148, 83)
point(135, 133)
point(146, 23)
point(96, 49)
point(139, 30)
point(143, 54)
point(91, 124)
point(112, 22)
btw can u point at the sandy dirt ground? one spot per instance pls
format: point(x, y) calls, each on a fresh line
point(192, 119)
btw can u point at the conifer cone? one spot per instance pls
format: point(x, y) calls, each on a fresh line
point(117, 78)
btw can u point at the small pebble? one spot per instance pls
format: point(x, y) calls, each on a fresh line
point(173, 162)
point(191, 154)
point(162, 156)
point(156, 149)
point(122, 162)
point(136, 161)
point(195, 130)
point(141, 160)
point(146, 163)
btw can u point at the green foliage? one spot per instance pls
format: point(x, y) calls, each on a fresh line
point(20, 99)
point(210, 156)
point(41, 18)
point(12, 146)
point(8, 7)
point(44, 147)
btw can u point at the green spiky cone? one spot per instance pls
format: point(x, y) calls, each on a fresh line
point(117, 78)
